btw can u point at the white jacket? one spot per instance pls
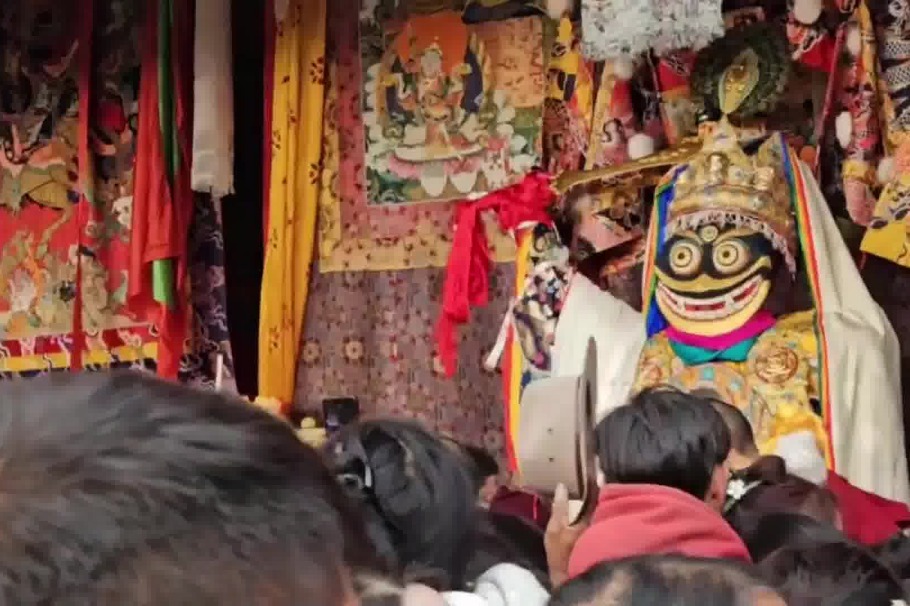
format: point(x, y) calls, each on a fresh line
point(502, 585)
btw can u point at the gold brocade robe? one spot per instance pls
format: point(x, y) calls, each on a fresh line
point(774, 386)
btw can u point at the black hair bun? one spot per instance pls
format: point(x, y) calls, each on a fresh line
point(768, 470)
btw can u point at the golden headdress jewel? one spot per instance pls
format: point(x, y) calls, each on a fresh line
point(723, 184)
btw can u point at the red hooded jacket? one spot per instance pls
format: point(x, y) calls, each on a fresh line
point(642, 519)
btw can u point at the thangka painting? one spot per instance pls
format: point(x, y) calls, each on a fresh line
point(450, 111)
point(61, 253)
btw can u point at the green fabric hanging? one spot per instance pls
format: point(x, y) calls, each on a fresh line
point(163, 274)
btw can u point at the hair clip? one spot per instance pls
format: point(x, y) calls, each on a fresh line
point(358, 452)
point(737, 489)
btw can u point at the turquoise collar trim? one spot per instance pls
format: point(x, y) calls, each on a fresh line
point(693, 356)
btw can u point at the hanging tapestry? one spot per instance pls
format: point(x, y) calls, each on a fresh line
point(210, 337)
point(354, 234)
point(297, 120)
point(614, 121)
point(49, 233)
point(570, 102)
point(451, 111)
point(887, 234)
point(63, 273)
point(626, 110)
point(892, 24)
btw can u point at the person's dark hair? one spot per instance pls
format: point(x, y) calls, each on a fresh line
point(118, 488)
point(501, 537)
point(766, 488)
point(415, 494)
point(778, 530)
point(831, 574)
point(481, 464)
point(663, 580)
point(742, 439)
point(895, 552)
point(663, 436)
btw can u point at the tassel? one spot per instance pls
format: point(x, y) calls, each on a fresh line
point(843, 128)
point(640, 145)
point(807, 12)
point(624, 68)
point(885, 171)
point(854, 40)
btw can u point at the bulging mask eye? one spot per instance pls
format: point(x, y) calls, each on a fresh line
point(731, 256)
point(685, 258)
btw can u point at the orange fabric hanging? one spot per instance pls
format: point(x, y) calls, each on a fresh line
point(175, 320)
point(151, 193)
point(161, 214)
point(86, 172)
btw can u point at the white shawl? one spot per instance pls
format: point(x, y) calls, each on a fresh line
point(618, 332)
point(213, 94)
point(862, 360)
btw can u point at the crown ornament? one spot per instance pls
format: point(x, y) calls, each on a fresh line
point(722, 184)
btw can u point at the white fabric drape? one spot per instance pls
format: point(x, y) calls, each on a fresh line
point(862, 360)
point(618, 332)
point(213, 100)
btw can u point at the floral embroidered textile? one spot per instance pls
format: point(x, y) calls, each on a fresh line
point(370, 335)
point(294, 192)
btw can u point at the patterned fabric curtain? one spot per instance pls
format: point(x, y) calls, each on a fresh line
point(210, 337)
point(294, 191)
point(370, 335)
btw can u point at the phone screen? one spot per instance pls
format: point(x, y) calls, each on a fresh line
point(339, 412)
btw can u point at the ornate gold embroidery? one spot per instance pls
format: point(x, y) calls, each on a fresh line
point(777, 365)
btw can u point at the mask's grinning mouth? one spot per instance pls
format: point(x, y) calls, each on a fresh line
point(712, 308)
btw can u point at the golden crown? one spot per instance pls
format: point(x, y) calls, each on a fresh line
point(722, 184)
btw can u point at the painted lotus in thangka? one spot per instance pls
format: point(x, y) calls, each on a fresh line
point(450, 110)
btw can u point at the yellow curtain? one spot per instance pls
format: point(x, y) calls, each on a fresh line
point(293, 195)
